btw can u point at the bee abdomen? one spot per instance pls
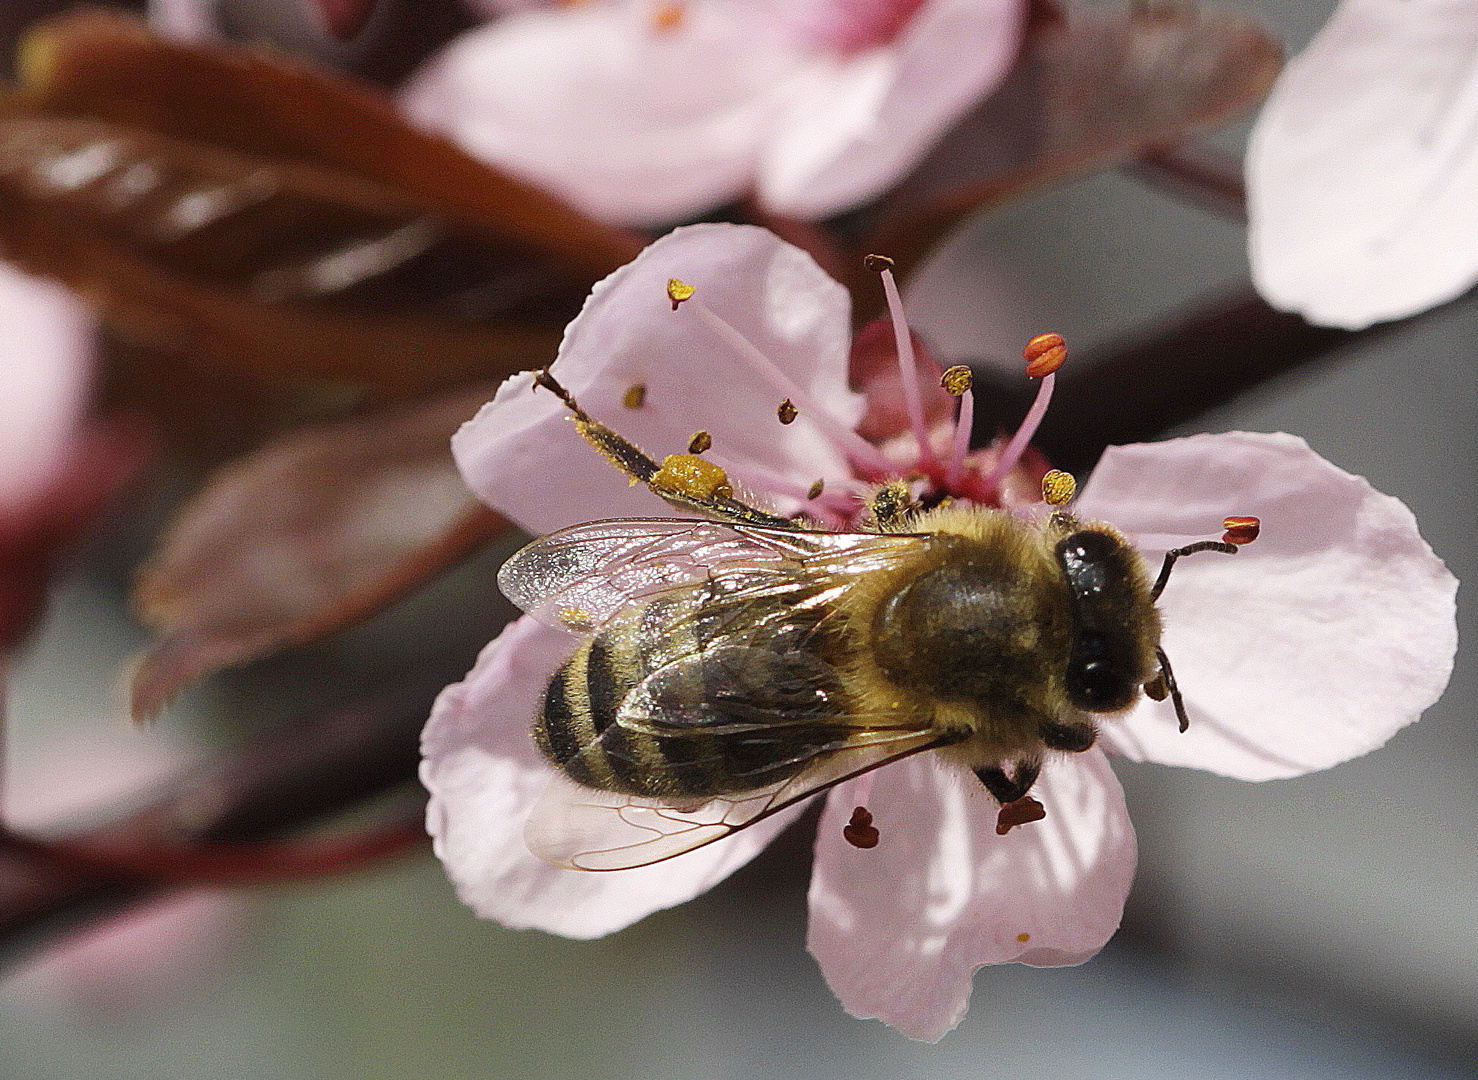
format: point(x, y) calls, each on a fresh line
point(713, 723)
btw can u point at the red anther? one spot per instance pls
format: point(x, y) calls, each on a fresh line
point(1044, 354)
point(859, 832)
point(1021, 812)
point(1240, 530)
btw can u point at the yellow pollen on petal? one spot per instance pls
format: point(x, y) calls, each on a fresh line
point(677, 292)
point(1023, 938)
point(1058, 487)
point(635, 396)
point(689, 476)
point(700, 442)
point(668, 16)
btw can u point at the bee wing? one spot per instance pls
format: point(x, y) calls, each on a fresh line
point(580, 828)
point(577, 578)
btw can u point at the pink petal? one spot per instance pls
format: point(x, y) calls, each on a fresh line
point(848, 25)
point(866, 120)
point(521, 454)
point(1363, 170)
point(633, 124)
point(143, 955)
point(1312, 645)
point(147, 955)
point(485, 774)
point(46, 342)
point(900, 929)
point(184, 20)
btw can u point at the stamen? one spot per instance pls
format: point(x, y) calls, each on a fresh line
point(635, 396)
point(815, 490)
point(907, 364)
point(851, 444)
point(1240, 530)
point(787, 412)
point(700, 442)
point(956, 381)
point(1039, 358)
point(677, 292)
point(860, 832)
point(1021, 812)
point(1058, 487)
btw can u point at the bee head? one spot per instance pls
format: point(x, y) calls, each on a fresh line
point(1115, 629)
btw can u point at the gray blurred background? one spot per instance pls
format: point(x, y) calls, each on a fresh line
point(1309, 928)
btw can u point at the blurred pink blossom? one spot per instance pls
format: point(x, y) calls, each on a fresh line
point(143, 955)
point(1312, 646)
point(647, 111)
point(1362, 170)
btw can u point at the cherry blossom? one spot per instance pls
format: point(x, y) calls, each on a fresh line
point(1362, 170)
point(1314, 645)
point(643, 112)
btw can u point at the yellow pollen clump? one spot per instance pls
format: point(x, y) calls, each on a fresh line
point(677, 292)
point(1058, 487)
point(635, 396)
point(668, 16)
point(1044, 354)
point(1023, 938)
point(691, 477)
point(956, 380)
point(574, 618)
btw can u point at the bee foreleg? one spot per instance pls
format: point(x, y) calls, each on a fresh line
point(1167, 677)
point(1007, 789)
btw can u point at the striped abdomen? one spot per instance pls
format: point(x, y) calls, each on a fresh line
point(711, 698)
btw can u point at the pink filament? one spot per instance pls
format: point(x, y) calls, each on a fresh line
point(851, 444)
point(1012, 454)
point(961, 444)
point(908, 367)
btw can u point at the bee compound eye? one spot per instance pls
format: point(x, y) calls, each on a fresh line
point(1098, 686)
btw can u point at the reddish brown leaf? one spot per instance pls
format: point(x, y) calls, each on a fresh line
point(265, 217)
point(1090, 90)
point(303, 537)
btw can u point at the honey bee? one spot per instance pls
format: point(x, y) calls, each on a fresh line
point(733, 666)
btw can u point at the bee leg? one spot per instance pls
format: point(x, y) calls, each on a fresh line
point(1007, 789)
point(1166, 680)
point(1074, 737)
point(683, 480)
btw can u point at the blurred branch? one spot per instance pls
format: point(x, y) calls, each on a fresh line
point(220, 821)
point(1204, 176)
point(1167, 374)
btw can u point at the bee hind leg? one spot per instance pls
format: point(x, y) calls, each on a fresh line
point(1007, 789)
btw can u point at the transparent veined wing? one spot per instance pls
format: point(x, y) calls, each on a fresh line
point(577, 578)
point(582, 828)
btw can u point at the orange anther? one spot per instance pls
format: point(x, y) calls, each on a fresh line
point(859, 832)
point(1021, 812)
point(1044, 354)
point(1240, 530)
point(668, 16)
point(677, 292)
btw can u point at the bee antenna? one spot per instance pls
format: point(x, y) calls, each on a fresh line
point(1176, 553)
point(555, 387)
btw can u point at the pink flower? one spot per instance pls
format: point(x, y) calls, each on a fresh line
point(642, 112)
point(1362, 170)
point(46, 338)
point(1312, 646)
point(143, 955)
